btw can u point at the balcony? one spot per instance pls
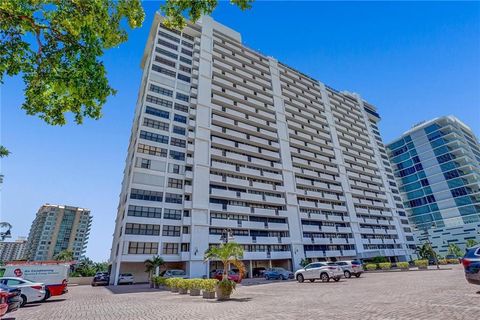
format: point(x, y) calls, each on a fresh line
point(224, 223)
point(278, 226)
point(280, 255)
point(349, 253)
point(314, 254)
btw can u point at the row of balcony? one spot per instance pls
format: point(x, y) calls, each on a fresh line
point(224, 223)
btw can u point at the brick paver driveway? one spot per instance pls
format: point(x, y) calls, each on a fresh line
point(407, 295)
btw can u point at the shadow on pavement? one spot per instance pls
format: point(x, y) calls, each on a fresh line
point(134, 288)
point(247, 299)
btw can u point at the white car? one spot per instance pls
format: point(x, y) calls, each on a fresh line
point(319, 270)
point(125, 278)
point(31, 291)
point(174, 273)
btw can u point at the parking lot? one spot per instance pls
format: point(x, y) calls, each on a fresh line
point(402, 295)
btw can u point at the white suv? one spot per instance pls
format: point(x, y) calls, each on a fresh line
point(126, 278)
point(349, 267)
point(319, 270)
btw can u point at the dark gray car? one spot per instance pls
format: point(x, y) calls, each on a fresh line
point(471, 264)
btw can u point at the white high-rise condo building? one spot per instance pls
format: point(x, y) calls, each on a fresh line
point(13, 250)
point(437, 166)
point(227, 139)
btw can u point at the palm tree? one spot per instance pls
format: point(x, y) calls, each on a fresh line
point(228, 253)
point(65, 255)
point(471, 243)
point(154, 264)
point(455, 250)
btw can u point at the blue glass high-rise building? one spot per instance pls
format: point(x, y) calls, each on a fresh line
point(437, 167)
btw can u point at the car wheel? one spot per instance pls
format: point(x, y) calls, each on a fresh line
point(47, 295)
point(24, 300)
point(357, 275)
point(324, 277)
point(347, 274)
point(267, 278)
point(283, 277)
point(300, 278)
point(336, 279)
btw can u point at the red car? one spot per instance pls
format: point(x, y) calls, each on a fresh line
point(3, 303)
point(235, 277)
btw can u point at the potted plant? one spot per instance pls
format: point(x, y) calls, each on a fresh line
point(402, 265)
point(421, 264)
point(183, 285)
point(172, 283)
point(195, 286)
point(153, 265)
point(161, 282)
point(385, 265)
point(228, 253)
point(225, 289)
point(209, 286)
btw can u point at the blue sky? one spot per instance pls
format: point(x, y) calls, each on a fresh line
point(414, 61)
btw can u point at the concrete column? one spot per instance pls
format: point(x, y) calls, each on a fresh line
point(201, 164)
point(293, 210)
point(250, 269)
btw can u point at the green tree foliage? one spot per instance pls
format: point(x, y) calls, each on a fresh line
point(379, 259)
point(426, 251)
point(228, 253)
point(153, 264)
point(471, 243)
point(56, 46)
point(65, 255)
point(87, 268)
point(304, 262)
point(455, 250)
point(176, 10)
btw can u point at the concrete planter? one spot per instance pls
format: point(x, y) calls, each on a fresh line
point(174, 290)
point(208, 294)
point(194, 292)
point(223, 294)
point(182, 291)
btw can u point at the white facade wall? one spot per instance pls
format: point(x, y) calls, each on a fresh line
point(268, 155)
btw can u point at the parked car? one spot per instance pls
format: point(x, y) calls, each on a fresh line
point(232, 275)
point(349, 267)
point(101, 279)
point(278, 273)
point(319, 270)
point(3, 303)
point(13, 298)
point(471, 264)
point(30, 291)
point(125, 278)
point(258, 272)
point(174, 273)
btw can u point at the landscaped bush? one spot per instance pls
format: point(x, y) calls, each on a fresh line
point(443, 261)
point(385, 265)
point(172, 283)
point(209, 285)
point(421, 263)
point(403, 265)
point(452, 261)
point(371, 266)
point(183, 285)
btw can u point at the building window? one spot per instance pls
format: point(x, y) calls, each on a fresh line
point(171, 231)
point(153, 137)
point(181, 107)
point(168, 36)
point(170, 248)
point(142, 248)
point(175, 168)
point(183, 77)
point(187, 52)
point(172, 214)
point(151, 150)
point(183, 59)
point(180, 118)
point(182, 97)
point(177, 142)
point(157, 112)
point(155, 124)
point(185, 69)
point(165, 61)
point(175, 183)
point(144, 163)
point(142, 229)
point(167, 44)
point(145, 212)
point(159, 101)
point(146, 195)
point(160, 90)
point(167, 53)
point(187, 44)
point(177, 155)
point(179, 130)
point(163, 71)
point(173, 198)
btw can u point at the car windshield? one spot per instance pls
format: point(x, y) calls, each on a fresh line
point(178, 272)
point(356, 262)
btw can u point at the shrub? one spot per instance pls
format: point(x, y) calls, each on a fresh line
point(421, 263)
point(452, 261)
point(371, 266)
point(172, 282)
point(402, 265)
point(209, 285)
point(161, 281)
point(195, 283)
point(226, 286)
point(385, 265)
point(379, 259)
point(183, 283)
point(443, 261)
